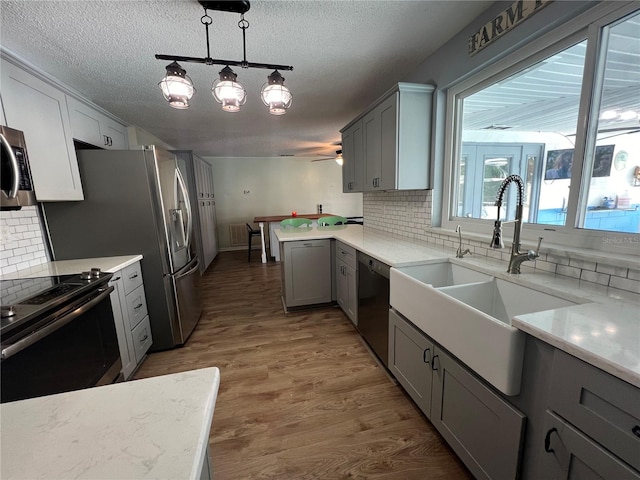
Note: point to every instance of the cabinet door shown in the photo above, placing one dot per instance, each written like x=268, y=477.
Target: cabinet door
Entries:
x=484, y=430
x=388, y=142
x=410, y=354
x=91, y=126
x=117, y=135
x=353, y=158
x=576, y=456
x=307, y=272
x=352, y=295
x=123, y=330
x=372, y=153
x=85, y=123
x=342, y=288
x=40, y=111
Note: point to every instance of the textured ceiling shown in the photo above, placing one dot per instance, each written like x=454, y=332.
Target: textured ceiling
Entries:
x=345, y=54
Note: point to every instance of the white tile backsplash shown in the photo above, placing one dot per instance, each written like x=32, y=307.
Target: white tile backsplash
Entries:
x=408, y=214
x=22, y=242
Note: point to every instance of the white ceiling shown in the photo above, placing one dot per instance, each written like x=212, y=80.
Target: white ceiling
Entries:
x=345, y=54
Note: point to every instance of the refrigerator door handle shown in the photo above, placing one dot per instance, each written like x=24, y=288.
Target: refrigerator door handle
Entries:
x=185, y=196
x=195, y=267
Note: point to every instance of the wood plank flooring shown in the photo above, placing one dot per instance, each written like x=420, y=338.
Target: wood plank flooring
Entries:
x=300, y=396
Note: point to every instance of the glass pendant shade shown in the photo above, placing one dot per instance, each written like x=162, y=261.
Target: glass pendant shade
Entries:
x=275, y=95
x=176, y=86
x=228, y=92
x=339, y=159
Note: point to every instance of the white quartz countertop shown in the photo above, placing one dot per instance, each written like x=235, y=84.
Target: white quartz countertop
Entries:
x=603, y=329
x=153, y=428
x=388, y=249
x=69, y=267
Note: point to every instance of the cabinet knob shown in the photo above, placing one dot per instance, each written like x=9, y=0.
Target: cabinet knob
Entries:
x=547, y=440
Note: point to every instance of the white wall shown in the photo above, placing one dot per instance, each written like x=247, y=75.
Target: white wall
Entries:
x=248, y=187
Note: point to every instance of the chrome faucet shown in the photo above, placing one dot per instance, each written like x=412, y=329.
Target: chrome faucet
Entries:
x=459, y=252
x=517, y=257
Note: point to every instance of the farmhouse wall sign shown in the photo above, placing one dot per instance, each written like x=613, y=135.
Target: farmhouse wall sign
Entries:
x=517, y=13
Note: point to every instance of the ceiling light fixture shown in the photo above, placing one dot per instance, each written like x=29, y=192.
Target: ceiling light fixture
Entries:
x=178, y=89
x=339, y=159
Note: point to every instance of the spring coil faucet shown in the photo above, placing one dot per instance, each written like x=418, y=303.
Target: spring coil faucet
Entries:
x=517, y=257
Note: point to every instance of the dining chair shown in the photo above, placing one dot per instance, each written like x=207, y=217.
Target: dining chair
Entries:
x=251, y=232
x=295, y=222
x=333, y=220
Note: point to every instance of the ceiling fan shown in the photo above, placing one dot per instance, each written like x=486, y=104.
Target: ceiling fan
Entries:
x=337, y=158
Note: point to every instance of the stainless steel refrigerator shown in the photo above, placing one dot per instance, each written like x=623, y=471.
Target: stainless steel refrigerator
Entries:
x=136, y=201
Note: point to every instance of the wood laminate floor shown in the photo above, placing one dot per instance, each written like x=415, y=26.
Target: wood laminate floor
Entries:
x=300, y=396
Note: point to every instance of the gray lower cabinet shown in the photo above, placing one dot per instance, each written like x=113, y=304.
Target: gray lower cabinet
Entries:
x=576, y=456
x=485, y=431
x=592, y=423
x=346, y=280
x=130, y=313
x=306, y=272
x=410, y=353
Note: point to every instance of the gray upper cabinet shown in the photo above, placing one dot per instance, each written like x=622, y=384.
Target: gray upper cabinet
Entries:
x=353, y=158
x=39, y=109
x=395, y=143
x=91, y=126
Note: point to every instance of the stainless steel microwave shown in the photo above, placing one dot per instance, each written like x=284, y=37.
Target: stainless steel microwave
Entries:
x=15, y=176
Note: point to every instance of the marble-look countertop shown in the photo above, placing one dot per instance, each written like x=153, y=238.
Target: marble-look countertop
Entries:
x=152, y=428
x=70, y=267
x=603, y=329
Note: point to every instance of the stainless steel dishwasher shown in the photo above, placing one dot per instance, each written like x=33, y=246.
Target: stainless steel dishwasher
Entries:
x=373, y=304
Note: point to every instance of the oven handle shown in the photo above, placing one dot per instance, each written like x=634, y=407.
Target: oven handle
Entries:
x=56, y=325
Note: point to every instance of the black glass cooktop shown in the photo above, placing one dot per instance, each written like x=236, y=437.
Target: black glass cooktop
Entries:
x=25, y=299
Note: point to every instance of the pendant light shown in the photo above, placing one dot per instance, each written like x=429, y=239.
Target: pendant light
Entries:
x=339, y=159
x=275, y=95
x=228, y=92
x=177, y=88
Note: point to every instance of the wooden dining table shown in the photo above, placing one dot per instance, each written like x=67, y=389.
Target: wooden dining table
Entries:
x=268, y=219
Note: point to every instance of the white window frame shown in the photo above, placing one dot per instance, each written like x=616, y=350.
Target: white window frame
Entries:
x=588, y=26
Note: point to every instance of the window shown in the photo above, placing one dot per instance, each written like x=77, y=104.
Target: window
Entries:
x=580, y=183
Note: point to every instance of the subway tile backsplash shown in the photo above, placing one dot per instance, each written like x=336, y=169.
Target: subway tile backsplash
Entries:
x=22, y=242
x=407, y=213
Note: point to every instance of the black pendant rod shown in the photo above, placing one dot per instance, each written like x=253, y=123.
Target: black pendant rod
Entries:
x=213, y=61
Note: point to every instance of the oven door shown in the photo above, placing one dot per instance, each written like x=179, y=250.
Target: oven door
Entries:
x=77, y=349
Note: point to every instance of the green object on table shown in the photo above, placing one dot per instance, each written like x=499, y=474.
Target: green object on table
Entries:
x=335, y=220
x=295, y=222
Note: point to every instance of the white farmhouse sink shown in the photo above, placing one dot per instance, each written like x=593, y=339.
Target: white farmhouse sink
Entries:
x=473, y=320
x=444, y=273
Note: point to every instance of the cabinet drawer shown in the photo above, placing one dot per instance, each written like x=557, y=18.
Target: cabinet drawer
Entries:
x=577, y=456
x=136, y=306
x=132, y=277
x=141, y=339
x=347, y=254
x=604, y=407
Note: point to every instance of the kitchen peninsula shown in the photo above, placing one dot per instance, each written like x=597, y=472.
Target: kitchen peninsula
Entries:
x=272, y=222
x=152, y=428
